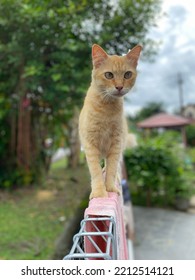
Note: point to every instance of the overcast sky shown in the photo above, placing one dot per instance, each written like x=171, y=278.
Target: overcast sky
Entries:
x=158, y=81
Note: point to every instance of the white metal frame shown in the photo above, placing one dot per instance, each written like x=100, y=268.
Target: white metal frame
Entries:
x=108, y=237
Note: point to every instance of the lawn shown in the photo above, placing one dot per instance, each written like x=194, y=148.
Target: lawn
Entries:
x=32, y=218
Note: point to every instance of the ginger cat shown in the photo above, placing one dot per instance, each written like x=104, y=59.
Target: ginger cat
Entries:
x=102, y=125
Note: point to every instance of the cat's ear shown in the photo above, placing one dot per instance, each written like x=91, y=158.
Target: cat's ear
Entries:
x=98, y=55
x=134, y=55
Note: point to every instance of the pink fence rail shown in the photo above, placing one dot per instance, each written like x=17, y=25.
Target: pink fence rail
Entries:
x=102, y=232
x=111, y=207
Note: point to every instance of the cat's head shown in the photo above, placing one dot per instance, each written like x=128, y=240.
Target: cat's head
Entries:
x=114, y=75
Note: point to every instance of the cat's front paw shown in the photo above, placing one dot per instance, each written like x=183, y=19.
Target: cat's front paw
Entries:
x=112, y=188
x=98, y=193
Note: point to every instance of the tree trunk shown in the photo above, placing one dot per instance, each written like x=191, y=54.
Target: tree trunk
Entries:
x=23, y=143
x=24, y=135
x=74, y=140
x=21, y=118
x=148, y=197
x=13, y=123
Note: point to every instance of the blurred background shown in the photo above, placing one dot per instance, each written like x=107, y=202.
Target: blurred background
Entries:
x=45, y=69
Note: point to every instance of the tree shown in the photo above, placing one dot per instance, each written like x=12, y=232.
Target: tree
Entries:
x=37, y=58
x=149, y=110
x=45, y=66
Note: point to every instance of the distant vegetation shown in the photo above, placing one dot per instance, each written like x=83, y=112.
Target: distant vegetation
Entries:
x=45, y=69
x=160, y=170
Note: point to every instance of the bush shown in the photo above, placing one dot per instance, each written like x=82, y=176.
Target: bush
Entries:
x=191, y=156
x=11, y=178
x=155, y=172
x=190, y=134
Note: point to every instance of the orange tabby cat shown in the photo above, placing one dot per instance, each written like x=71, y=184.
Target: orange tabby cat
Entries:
x=102, y=125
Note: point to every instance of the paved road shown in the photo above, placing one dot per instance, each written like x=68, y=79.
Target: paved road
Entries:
x=164, y=234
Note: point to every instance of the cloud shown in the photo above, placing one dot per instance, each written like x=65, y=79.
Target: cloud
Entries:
x=158, y=81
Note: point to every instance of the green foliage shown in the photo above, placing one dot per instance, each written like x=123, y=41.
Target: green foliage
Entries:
x=159, y=170
x=150, y=165
x=45, y=66
x=149, y=110
x=151, y=169
x=10, y=178
x=190, y=134
x=191, y=154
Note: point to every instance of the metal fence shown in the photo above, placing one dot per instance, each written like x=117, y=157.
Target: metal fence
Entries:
x=102, y=231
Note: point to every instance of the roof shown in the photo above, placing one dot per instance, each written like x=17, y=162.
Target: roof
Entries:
x=163, y=120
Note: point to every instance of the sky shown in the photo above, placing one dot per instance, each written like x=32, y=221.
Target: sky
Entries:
x=158, y=81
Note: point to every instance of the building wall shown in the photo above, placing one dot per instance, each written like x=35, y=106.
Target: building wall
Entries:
x=189, y=112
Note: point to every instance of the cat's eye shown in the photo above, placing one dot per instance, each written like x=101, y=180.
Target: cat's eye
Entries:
x=109, y=75
x=128, y=75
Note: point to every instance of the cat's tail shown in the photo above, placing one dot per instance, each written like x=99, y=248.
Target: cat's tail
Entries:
x=131, y=141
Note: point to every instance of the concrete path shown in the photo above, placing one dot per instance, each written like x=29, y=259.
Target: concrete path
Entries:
x=164, y=234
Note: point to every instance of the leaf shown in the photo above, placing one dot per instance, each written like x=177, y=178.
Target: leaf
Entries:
x=56, y=77
x=30, y=71
x=51, y=13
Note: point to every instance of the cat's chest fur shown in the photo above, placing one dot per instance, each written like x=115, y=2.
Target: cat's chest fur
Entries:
x=102, y=126
x=104, y=133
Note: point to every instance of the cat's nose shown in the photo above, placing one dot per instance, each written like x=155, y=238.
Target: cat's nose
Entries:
x=119, y=88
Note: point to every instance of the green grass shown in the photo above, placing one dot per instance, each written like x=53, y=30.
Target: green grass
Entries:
x=28, y=229
x=31, y=219
x=62, y=163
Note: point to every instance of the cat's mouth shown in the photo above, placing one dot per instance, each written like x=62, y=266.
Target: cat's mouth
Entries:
x=119, y=93
x=115, y=93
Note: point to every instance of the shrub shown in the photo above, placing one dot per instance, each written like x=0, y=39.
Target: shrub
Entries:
x=154, y=171
x=190, y=134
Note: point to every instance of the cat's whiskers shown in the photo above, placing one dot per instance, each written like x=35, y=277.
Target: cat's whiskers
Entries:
x=106, y=95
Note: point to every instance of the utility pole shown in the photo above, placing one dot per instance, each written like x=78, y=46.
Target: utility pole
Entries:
x=180, y=85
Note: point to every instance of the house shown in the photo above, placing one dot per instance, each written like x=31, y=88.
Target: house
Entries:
x=166, y=121
x=189, y=112
x=163, y=120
